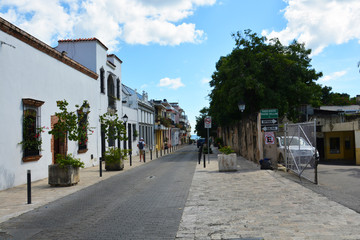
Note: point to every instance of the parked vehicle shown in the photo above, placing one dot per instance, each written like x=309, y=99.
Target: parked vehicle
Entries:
x=299, y=148
x=200, y=142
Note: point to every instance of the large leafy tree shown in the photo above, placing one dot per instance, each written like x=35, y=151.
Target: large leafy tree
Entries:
x=263, y=74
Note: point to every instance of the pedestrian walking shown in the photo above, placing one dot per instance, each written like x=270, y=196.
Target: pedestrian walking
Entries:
x=141, y=146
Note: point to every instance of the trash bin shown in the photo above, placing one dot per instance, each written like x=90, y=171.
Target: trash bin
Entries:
x=265, y=164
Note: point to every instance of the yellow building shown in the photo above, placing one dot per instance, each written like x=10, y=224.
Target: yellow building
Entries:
x=160, y=128
x=342, y=141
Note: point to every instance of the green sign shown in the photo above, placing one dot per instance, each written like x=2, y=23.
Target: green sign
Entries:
x=269, y=113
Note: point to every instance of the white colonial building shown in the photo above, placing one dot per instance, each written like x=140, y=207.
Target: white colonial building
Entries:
x=141, y=114
x=34, y=76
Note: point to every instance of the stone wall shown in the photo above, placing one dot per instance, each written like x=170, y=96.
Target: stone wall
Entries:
x=244, y=137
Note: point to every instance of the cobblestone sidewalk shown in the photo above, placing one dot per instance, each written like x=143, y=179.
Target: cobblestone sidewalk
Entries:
x=260, y=204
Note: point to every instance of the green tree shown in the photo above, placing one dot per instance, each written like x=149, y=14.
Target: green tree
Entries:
x=200, y=124
x=263, y=74
x=330, y=98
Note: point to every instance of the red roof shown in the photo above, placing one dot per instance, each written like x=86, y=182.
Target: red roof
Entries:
x=84, y=40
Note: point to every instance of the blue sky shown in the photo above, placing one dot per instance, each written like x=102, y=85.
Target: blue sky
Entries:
x=169, y=48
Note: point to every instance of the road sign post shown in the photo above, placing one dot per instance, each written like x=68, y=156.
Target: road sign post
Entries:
x=269, y=120
x=207, y=124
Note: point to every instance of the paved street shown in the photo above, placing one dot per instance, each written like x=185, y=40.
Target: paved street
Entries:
x=339, y=183
x=143, y=203
x=153, y=201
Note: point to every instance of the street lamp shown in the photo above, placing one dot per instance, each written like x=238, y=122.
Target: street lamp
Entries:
x=241, y=105
x=125, y=118
x=85, y=107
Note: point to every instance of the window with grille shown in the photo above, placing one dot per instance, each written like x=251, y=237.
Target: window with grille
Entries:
x=102, y=80
x=118, y=88
x=31, y=139
x=111, y=92
x=83, y=142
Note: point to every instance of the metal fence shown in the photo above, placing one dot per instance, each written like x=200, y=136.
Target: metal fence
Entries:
x=300, y=149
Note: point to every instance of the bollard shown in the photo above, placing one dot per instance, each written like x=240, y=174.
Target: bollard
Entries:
x=29, y=186
x=199, y=155
x=144, y=156
x=100, y=166
x=157, y=156
x=130, y=153
x=150, y=154
x=204, y=161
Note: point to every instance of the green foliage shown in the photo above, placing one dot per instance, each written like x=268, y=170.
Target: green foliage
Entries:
x=68, y=123
x=165, y=121
x=226, y=150
x=114, y=155
x=135, y=134
x=31, y=134
x=263, y=74
x=112, y=126
x=329, y=98
x=200, y=125
x=67, y=160
x=218, y=142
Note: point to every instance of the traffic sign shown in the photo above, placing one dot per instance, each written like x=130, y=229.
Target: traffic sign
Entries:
x=269, y=138
x=269, y=113
x=270, y=128
x=207, y=122
x=270, y=121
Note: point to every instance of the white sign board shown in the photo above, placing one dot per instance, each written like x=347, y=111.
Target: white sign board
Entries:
x=207, y=122
x=269, y=138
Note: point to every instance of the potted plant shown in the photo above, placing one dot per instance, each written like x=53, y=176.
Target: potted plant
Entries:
x=114, y=129
x=66, y=171
x=227, y=159
x=74, y=127
x=114, y=158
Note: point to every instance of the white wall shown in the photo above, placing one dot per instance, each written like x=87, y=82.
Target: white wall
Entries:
x=28, y=73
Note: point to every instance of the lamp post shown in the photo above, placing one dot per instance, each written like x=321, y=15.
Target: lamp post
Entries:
x=241, y=105
x=125, y=118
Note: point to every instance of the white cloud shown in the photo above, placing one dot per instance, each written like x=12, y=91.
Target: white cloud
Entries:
x=205, y=80
x=319, y=23
x=333, y=76
x=112, y=21
x=171, y=83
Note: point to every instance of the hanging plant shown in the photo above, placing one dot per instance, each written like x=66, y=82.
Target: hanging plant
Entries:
x=31, y=134
x=135, y=134
x=112, y=126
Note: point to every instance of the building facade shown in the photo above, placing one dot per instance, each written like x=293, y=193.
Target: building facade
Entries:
x=34, y=76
